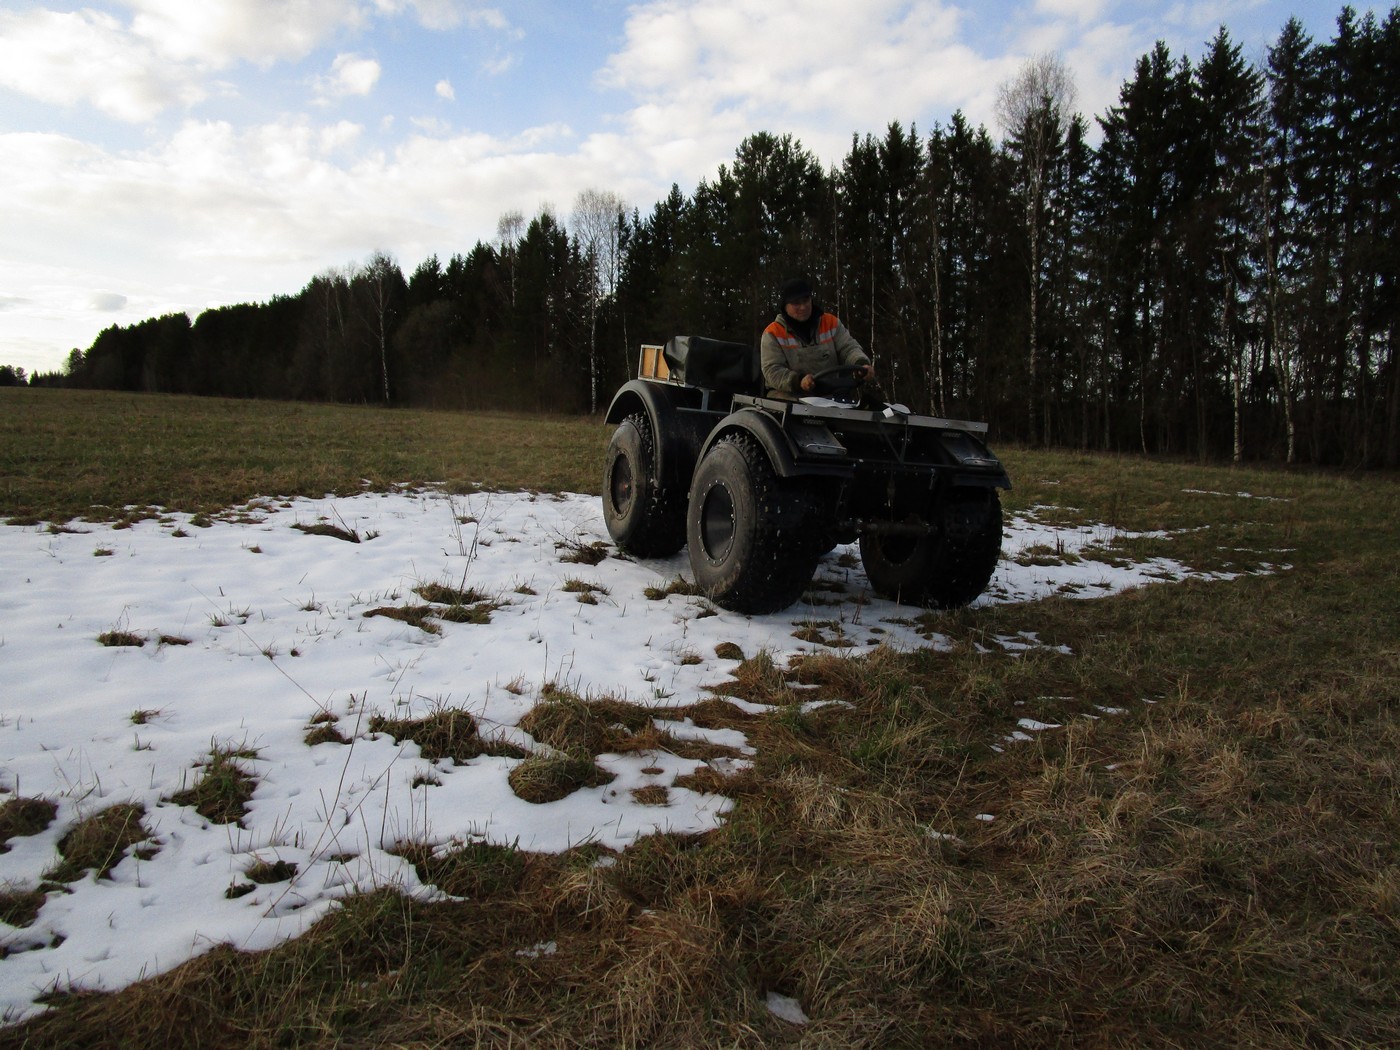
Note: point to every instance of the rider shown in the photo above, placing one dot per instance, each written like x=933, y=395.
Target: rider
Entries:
x=803, y=340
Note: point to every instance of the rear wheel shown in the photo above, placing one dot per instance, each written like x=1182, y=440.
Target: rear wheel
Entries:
x=947, y=566
x=753, y=546
x=641, y=518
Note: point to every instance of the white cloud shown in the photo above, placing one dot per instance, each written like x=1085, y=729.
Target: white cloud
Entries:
x=339, y=136
x=434, y=126
x=117, y=73
x=439, y=15
x=350, y=75
x=1081, y=11
x=500, y=65
x=218, y=33
x=704, y=74
x=162, y=58
x=444, y=90
x=489, y=18
x=106, y=302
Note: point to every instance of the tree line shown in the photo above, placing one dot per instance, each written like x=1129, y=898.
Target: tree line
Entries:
x=1217, y=277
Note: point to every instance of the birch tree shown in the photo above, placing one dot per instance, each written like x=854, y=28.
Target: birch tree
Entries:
x=597, y=222
x=1034, y=109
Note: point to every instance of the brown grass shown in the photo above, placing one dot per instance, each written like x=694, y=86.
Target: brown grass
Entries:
x=325, y=528
x=99, y=842
x=75, y=453
x=121, y=638
x=478, y=870
x=20, y=908
x=1202, y=856
x=21, y=816
x=448, y=733
x=224, y=788
x=550, y=776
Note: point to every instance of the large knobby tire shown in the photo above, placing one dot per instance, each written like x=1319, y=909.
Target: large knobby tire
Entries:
x=753, y=543
x=641, y=518
x=947, y=567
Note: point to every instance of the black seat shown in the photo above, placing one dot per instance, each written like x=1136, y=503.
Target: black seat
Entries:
x=714, y=364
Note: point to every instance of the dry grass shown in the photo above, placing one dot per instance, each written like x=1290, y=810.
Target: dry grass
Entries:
x=468, y=869
x=1203, y=855
x=20, y=816
x=444, y=594
x=448, y=733
x=563, y=720
x=100, y=842
x=550, y=776
x=224, y=788
x=68, y=454
x=20, y=908
x=121, y=638
x=679, y=586
x=583, y=552
x=325, y=528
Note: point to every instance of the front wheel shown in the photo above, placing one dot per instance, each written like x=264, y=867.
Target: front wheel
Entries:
x=641, y=518
x=949, y=565
x=753, y=545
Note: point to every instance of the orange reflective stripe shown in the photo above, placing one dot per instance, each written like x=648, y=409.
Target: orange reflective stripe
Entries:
x=826, y=332
x=785, y=339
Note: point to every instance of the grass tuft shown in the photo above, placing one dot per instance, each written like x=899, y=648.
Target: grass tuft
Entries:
x=478, y=870
x=567, y=722
x=24, y=816
x=448, y=733
x=580, y=553
x=325, y=528
x=121, y=638
x=267, y=872
x=550, y=777
x=480, y=613
x=679, y=585
x=325, y=733
x=20, y=908
x=224, y=788
x=442, y=594
x=99, y=842
x=420, y=616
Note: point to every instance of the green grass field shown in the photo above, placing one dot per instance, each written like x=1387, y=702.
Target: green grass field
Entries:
x=1218, y=865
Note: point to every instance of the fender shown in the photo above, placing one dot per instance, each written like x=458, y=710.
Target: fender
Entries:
x=670, y=428
x=769, y=434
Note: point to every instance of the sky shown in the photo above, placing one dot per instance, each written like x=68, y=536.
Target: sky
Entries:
x=254, y=629
x=159, y=156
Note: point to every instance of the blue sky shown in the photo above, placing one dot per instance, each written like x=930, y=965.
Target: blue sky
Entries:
x=164, y=155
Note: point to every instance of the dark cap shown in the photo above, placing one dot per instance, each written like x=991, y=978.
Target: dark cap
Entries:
x=794, y=289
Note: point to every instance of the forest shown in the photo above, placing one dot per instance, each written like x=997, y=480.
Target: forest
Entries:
x=1211, y=275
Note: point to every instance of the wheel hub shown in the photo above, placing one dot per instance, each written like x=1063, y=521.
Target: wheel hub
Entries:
x=717, y=522
x=621, y=488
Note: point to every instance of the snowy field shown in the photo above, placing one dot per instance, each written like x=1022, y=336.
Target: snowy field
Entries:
x=253, y=628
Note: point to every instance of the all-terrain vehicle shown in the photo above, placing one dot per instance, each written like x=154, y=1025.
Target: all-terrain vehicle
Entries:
x=761, y=488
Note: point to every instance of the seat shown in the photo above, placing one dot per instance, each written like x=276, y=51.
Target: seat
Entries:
x=716, y=365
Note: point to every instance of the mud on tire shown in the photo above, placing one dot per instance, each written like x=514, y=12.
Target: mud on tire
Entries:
x=641, y=518
x=951, y=565
x=753, y=542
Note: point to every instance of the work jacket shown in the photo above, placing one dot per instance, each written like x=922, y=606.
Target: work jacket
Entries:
x=786, y=358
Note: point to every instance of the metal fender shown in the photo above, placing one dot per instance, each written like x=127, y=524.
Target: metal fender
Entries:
x=766, y=431
x=673, y=435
